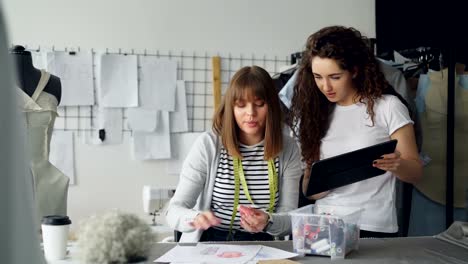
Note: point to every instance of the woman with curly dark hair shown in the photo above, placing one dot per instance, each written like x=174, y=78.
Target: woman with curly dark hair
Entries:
x=342, y=103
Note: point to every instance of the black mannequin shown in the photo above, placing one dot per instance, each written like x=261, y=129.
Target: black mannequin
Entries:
x=28, y=76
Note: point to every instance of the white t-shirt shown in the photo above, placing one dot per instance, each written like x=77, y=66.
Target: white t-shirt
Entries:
x=351, y=129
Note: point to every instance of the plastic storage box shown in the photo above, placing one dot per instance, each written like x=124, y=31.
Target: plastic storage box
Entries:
x=325, y=230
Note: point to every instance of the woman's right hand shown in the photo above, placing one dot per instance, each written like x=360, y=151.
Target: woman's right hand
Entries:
x=205, y=220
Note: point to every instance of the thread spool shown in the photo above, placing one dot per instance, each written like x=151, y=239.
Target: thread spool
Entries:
x=319, y=244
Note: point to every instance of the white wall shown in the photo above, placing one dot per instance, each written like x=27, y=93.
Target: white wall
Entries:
x=106, y=176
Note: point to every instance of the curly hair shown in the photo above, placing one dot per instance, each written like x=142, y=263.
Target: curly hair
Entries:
x=310, y=109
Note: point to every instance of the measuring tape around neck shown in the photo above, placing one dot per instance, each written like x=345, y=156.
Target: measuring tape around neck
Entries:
x=239, y=178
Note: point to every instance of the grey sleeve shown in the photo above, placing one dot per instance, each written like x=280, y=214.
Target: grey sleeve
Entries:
x=180, y=212
x=289, y=189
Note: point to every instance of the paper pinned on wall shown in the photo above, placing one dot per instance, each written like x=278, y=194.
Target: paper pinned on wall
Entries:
x=140, y=119
x=62, y=153
x=180, y=147
x=118, y=81
x=153, y=145
x=108, y=123
x=179, y=120
x=158, y=83
x=97, y=62
x=39, y=59
x=76, y=75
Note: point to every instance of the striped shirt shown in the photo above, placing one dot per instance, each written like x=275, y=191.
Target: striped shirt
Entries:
x=256, y=175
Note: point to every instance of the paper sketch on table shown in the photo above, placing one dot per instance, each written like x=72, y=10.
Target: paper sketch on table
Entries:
x=180, y=147
x=118, y=80
x=62, y=153
x=211, y=253
x=153, y=145
x=157, y=83
x=179, y=119
x=75, y=71
x=270, y=253
x=110, y=122
x=140, y=119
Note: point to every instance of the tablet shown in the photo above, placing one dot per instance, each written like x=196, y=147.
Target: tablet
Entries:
x=347, y=168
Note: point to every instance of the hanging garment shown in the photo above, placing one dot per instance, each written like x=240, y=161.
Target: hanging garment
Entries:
x=428, y=217
x=431, y=102
x=287, y=92
x=50, y=184
x=397, y=80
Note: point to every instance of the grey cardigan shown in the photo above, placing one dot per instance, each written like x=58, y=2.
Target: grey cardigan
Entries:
x=195, y=188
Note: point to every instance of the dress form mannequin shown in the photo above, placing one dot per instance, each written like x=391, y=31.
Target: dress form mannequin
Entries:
x=28, y=76
x=38, y=97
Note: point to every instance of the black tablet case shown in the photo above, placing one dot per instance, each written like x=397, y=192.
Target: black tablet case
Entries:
x=347, y=168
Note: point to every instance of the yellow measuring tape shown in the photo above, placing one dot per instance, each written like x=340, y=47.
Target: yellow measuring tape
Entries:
x=239, y=177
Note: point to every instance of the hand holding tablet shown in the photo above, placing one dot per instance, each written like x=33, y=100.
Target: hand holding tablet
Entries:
x=347, y=168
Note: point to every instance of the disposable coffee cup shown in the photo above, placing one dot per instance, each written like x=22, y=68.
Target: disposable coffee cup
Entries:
x=54, y=236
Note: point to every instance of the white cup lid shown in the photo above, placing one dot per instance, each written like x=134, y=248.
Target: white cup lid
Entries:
x=56, y=220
